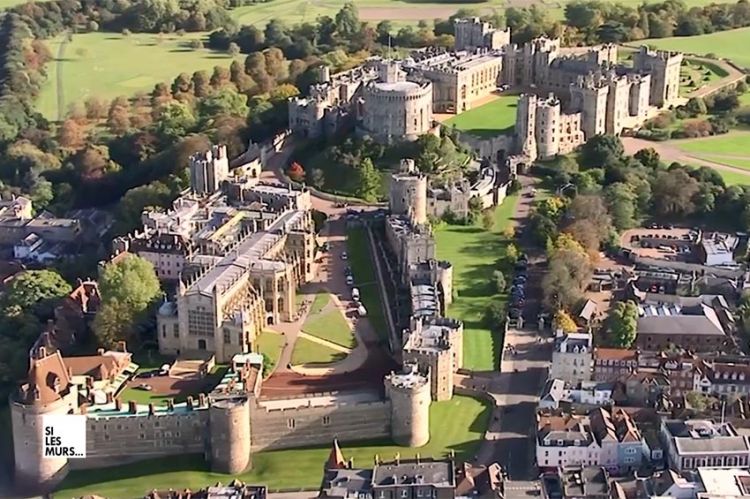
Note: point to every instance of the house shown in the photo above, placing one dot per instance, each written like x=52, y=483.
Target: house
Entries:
x=233, y=490
x=610, y=364
x=604, y=437
x=585, y=482
x=698, y=443
x=556, y=391
x=722, y=378
x=571, y=358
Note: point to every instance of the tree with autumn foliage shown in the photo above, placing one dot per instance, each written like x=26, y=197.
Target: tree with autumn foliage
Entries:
x=563, y=321
x=296, y=172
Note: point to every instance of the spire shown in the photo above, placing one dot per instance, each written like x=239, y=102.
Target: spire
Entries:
x=336, y=457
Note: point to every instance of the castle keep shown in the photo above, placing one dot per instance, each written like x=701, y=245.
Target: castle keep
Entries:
x=568, y=95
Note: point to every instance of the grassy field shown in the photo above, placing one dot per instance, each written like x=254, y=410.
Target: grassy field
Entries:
x=330, y=325
x=731, y=161
x=455, y=425
x=312, y=353
x=726, y=44
x=364, y=277
x=732, y=178
x=473, y=252
x=270, y=343
x=109, y=65
x=733, y=143
x=489, y=120
x=745, y=99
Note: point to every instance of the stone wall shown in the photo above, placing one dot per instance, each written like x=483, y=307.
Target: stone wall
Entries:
x=305, y=426
x=144, y=436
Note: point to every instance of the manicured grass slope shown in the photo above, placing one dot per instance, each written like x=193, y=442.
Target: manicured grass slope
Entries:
x=473, y=253
x=733, y=143
x=109, y=65
x=731, y=161
x=490, y=119
x=270, y=343
x=730, y=44
x=454, y=425
x=330, y=325
x=309, y=352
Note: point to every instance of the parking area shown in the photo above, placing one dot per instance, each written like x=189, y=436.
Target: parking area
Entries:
x=665, y=242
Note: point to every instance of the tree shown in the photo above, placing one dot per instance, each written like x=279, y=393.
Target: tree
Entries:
x=589, y=221
x=317, y=178
x=296, y=172
x=132, y=282
x=113, y=323
x=488, y=219
x=648, y=157
x=224, y=101
x=369, y=181
x=621, y=203
x=511, y=254
x=34, y=290
x=494, y=315
x=568, y=275
x=71, y=134
x=673, y=192
x=175, y=121
x=347, y=21
x=499, y=281
x=622, y=324
x=602, y=151
x=563, y=321
x=233, y=50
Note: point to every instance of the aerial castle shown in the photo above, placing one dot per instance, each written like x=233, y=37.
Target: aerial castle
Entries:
x=569, y=95
x=242, y=251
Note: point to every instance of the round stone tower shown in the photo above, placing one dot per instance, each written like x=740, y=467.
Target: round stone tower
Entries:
x=230, y=435
x=408, y=193
x=547, y=126
x=48, y=391
x=409, y=392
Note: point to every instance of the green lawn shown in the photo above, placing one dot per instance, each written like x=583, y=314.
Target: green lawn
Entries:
x=109, y=65
x=745, y=99
x=695, y=74
x=270, y=343
x=728, y=44
x=364, y=276
x=455, y=425
x=312, y=353
x=737, y=163
x=331, y=326
x=489, y=120
x=473, y=252
x=147, y=397
x=319, y=302
x=732, y=178
x=733, y=143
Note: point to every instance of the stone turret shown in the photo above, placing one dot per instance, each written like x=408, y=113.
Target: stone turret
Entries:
x=409, y=392
x=408, y=193
x=230, y=435
x=48, y=390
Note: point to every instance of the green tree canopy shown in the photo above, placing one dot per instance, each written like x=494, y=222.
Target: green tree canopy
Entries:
x=131, y=281
x=622, y=324
x=34, y=290
x=369, y=181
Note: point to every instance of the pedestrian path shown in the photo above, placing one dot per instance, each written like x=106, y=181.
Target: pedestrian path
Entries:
x=325, y=343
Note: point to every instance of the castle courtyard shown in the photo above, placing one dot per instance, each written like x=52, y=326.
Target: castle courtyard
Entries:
x=491, y=116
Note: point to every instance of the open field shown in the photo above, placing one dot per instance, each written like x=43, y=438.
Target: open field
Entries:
x=270, y=343
x=312, y=353
x=732, y=178
x=473, y=253
x=733, y=143
x=108, y=65
x=455, y=425
x=488, y=120
x=729, y=44
x=745, y=99
x=364, y=276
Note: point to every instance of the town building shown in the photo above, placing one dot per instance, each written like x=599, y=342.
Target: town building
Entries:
x=474, y=34
x=571, y=358
x=577, y=482
x=233, y=490
x=610, y=364
x=697, y=443
x=409, y=479
x=604, y=437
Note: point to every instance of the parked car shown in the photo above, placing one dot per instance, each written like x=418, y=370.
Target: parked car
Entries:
x=514, y=313
x=519, y=279
x=144, y=387
x=344, y=256
x=349, y=280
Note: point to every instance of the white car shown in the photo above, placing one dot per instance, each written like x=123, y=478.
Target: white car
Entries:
x=344, y=256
